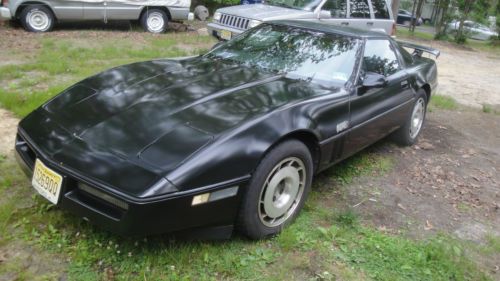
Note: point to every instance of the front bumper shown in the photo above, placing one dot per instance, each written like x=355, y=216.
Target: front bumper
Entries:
x=5, y=13
x=141, y=217
x=215, y=29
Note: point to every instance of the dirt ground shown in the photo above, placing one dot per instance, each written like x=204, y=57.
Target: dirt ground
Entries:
x=467, y=75
x=449, y=182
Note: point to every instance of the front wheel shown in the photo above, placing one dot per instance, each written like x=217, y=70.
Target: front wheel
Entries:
x=37, y=18
x=154, y=21
x=409, y=132
x=277, y=190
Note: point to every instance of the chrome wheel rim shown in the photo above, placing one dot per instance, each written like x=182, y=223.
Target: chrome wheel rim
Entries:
x=417, y=118
x=155, y=22
x=39, y=20
x=282, y=192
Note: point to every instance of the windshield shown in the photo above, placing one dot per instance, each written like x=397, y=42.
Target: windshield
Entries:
x=307, y=5
x=297, y=52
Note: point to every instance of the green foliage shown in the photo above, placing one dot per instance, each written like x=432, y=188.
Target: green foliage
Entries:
x=443, y=102
x=360, y=165
x=62, y=62
x=322, y=244
x=322, y=241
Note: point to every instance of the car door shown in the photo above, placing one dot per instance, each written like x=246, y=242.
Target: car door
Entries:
x=359, y=14
x=383, y=21
x=117, y=10
x=94, y=10
x=67, y=10
x=334, y=12
x=375, y=112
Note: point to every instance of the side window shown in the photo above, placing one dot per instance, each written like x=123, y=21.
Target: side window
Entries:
x=337, y=8
x=407, y=57
x=380, y=9
x=380, y=58
x=359, y=9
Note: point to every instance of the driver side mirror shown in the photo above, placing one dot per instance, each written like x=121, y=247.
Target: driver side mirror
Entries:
x=374, y=80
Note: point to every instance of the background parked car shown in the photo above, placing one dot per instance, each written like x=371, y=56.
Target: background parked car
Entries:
x=405, y=18
x=473, y=30
x=247, y=2
x=374, y=15
x=41, y=15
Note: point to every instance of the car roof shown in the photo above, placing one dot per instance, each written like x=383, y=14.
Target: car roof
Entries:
x=326, y=27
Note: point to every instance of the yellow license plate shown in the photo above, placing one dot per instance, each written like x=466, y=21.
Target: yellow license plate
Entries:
x=226, y=35
x=47, y=182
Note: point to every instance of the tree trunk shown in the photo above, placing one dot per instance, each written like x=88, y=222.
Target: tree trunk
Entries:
x=460, y=32
x=442, y=18
x=395, y=9
x=417, y=11
x=411, y=27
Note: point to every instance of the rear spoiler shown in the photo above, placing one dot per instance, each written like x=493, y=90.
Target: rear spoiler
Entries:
x=419, y=50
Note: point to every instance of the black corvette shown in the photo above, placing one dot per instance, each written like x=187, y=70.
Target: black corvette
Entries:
x=227, y=139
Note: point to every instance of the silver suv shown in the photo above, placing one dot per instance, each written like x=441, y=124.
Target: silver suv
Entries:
x=41, y=15
x=374, y=15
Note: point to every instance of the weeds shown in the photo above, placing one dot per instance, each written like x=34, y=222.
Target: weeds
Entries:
x=443, y=102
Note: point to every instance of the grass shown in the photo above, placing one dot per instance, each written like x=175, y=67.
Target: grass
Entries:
x=62, y=62
x=324, y=243
x=484, y=46
x=443, y=102
x=404, y=32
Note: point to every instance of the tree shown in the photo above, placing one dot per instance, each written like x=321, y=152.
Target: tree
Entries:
x=497, y=13
x=417, y=12
x=465, y=7
x=395, y=8
x=442, y=18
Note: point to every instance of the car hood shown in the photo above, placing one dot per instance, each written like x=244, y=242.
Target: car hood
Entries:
x=265, y=12
x=149, y=117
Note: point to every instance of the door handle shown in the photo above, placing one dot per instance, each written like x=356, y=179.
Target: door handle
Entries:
x=404, y=84
x=369, y=23
x=344, y=23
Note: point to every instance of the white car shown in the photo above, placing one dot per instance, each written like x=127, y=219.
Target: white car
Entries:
x=473, y=30
x=373, y=15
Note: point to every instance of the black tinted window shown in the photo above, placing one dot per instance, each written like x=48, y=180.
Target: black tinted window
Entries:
x=380, y=10
x=408, y=59
x=299, y=53
x=359, y=9
x=337, y=8
x=380, y=57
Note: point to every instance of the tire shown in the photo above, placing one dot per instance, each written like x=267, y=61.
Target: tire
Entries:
x=277, y=191
x=154, y=21
x=37, y=18
x=408, y=134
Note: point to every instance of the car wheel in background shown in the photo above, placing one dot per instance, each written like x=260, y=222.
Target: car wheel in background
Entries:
x=37, y=18
x=277, y=191
x=409, y=132
x=154, y=21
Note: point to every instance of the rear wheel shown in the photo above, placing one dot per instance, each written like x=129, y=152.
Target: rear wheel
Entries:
x=154, y=21
x=409, y=132
x=277, y=190
x=37, y=18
